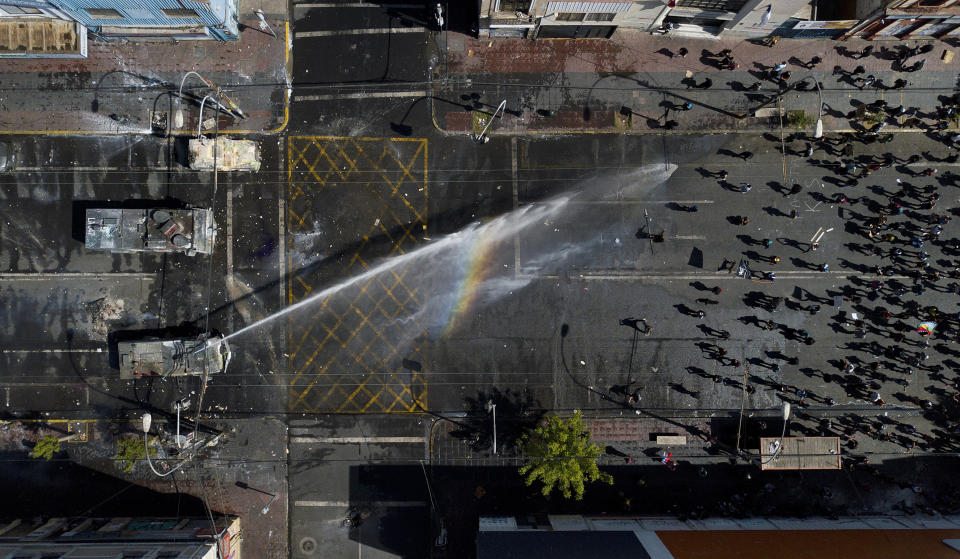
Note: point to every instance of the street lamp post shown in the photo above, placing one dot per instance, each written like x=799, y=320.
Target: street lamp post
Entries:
x=482, y=138
x=273, y=496
x=786, y=420
x=232, y=109
x=818, y=130
x=178, y=116
x=200, y=120
x=146, y=420
x=492, y=409
x=179, y=405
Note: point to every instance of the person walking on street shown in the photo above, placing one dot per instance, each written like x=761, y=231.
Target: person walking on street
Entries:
x=745, y=187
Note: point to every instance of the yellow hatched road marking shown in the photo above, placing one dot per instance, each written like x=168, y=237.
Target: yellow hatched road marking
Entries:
x=342, y=358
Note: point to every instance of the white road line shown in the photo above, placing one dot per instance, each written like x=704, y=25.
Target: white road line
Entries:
x=282, y=226
x=71, y=169
x=358, y=440
x=516, y=202
x=230, y=248
x=690, y=237
x=343, y=504
x=230, y=231
x=709, y=276
x=43, y=276
x=91, y=350
x=635, y=202
x=370, y=31
x=358, y=5
x=362, y=95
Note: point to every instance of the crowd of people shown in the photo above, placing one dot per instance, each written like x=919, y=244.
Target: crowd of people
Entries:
x=882, y=319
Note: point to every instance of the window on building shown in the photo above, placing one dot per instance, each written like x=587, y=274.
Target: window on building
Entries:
x=513, y=6
x=104, y=13
x=17, y=10
x=600, y=17
x=713, y=5
x=181, y=13
x=570, y=16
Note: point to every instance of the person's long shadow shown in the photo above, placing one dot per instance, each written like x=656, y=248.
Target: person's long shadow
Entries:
x=790, y=243
x=684, y=309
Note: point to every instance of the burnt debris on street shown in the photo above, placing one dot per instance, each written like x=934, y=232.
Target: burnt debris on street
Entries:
x=422, y=280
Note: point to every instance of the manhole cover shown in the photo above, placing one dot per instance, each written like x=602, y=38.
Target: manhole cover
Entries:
x=308, y=545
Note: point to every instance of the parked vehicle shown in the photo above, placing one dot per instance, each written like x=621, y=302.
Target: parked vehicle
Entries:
x=231, y=155
x=173, y=357
x=188, y=230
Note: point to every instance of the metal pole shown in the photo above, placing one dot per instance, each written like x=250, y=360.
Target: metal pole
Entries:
x=818, y=131
x=494, y=428
x=492, y=409
x=480, y=137
x=178, y=426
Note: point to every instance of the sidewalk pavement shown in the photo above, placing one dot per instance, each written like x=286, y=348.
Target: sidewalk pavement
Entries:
x=702, y=485
x=213, y=477
x=584, y=85
x=630, y=439
x=134, y=80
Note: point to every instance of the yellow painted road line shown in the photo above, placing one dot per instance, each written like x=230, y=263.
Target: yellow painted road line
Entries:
x=316, y=163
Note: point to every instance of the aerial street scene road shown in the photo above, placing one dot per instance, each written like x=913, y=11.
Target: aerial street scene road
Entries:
x=339, y=279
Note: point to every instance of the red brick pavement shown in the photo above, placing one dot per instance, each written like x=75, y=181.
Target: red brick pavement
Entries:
x=633, y=51
x=639, y=430
x=462, y=121
x=254, y=52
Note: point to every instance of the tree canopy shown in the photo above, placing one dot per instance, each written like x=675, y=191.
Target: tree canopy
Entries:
x=131, y=450
x=561, y=456
x=46, y=447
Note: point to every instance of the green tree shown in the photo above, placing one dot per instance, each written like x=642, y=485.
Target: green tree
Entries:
x=46, y=447
x=131, y=450
x=561, y=456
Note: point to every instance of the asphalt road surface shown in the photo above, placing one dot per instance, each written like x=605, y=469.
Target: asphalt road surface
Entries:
x=376, y=271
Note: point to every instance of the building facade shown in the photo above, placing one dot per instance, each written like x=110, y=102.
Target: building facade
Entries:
x=600, y=18
x=177, y=19
x=129, y=538
x=584, y=537
x=37, y=29
x=909, y=19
